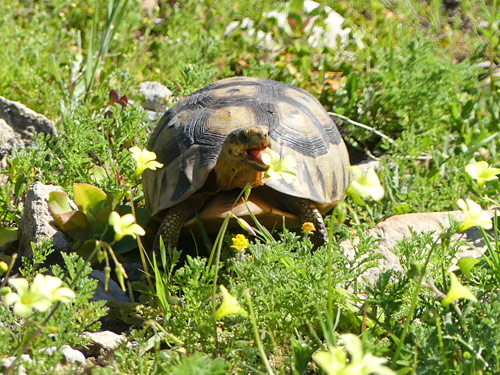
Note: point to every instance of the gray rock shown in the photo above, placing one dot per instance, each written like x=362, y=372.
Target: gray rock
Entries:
x=114, y=292
x=18, y=124
x=72, y=355
x=396, y=228
x=24, y=120
x=69, y=354
x=153, y=116
x=8, y=137
x=157, y=96
x=104, y=340
x=7, y=362
x=38, y=222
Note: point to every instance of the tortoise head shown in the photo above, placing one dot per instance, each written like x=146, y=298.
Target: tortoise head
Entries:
x=240, y=161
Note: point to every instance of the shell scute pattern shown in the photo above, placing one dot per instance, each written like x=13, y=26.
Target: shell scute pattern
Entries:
x=191, y=134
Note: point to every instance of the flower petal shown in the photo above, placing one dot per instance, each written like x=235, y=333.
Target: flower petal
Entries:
x=229, y=305
x=20, y=284
x=457, y=291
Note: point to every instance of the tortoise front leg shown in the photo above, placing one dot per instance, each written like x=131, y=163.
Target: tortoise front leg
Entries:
x=171, y=226
x=307, y=211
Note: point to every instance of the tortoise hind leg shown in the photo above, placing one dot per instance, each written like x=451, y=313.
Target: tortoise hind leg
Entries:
x=307, y=211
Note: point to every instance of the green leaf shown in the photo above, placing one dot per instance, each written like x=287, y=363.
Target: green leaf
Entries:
x=74, y=224
x=297, y=5
x=59, y=202
x=97, y=173
x=467, y=264
x=7, y=235
x=88, y=197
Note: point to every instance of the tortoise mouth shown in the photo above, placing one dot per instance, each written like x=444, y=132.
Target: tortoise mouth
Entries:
x=254, y=158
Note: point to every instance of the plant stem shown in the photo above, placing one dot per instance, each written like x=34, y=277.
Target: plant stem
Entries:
x=256, y=333
x=413, y=304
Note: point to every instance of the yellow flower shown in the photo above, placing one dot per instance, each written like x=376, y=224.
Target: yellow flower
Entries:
x=284, y=169
x=43, y=292
x=144, y=159
x=481, y=172
x=365, y=185
x=474, y=215
x=229, y=305
x=457, y=291
x=125, y=226
x=3, y=267
x=334, y=362
x=240, y=242
x=308, y=227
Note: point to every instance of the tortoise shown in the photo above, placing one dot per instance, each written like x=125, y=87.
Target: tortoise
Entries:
x=211, y=143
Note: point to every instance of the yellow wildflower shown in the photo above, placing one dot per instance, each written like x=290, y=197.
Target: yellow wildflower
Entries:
x=457, y=291
x=366, y=185
x=124, y=226
x=240, y=242
x=144, y=159
x=308, y=227
x=229, y=305
x=474, y=216
x=284, y=169
x=481, y=172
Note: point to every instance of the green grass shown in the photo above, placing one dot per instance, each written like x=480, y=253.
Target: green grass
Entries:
x=415, y=79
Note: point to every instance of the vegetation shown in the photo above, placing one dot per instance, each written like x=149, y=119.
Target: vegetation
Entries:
x=412, y=70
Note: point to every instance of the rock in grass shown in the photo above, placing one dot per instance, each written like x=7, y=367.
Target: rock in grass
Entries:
x=103, y=340
x=114, y=292
x=69, y=354
x=156, y=96
x=396, y=228
x=18, y=124
x=23, y=120
x=37, y=221
x=7, y=362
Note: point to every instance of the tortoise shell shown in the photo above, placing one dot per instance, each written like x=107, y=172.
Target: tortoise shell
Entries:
x=189, y=138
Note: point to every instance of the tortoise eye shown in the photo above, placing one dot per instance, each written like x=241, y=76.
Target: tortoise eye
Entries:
x=243, y=137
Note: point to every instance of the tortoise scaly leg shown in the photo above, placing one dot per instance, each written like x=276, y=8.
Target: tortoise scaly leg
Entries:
x=307, y=211
x=171, y=226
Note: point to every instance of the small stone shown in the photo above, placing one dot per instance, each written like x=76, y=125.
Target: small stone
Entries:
x=156, y=96
x=106, y=340
x=72, y=355
x=7, y=362
x=114, y=292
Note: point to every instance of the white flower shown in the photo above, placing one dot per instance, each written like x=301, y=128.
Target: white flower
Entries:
x=43, y=292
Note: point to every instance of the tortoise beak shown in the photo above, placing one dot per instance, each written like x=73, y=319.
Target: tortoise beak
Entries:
x=254, y=159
